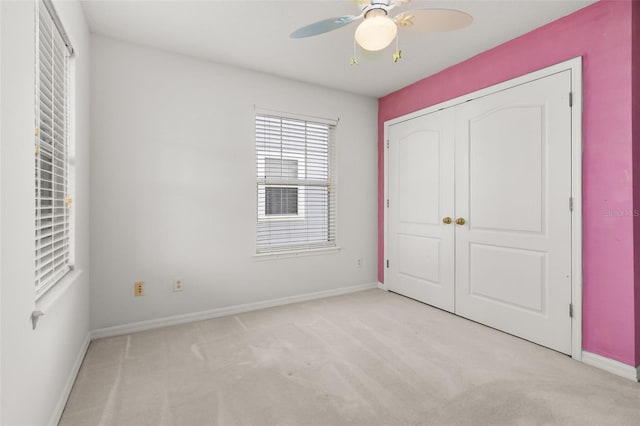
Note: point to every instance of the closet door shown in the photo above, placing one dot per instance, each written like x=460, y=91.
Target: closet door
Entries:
x=513, y=186
x=420, y=190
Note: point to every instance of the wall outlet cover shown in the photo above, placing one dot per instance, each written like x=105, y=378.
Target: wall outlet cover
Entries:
x=177, y=284
x=138, y=289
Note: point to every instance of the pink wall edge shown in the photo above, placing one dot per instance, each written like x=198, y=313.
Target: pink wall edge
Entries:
x=602, y=35
x=636, y=160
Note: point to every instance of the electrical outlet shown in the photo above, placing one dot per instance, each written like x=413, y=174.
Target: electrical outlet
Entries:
x=177, y=284
x=359, y=262
x=138, y=289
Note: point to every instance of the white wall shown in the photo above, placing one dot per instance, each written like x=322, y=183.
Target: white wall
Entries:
x=38, y=366
x=173, y=185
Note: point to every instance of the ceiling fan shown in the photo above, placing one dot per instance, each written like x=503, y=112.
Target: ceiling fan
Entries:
x=378, y=29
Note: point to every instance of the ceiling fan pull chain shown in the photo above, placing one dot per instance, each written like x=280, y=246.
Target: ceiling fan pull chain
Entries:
x=398, y=54
x=354, y=58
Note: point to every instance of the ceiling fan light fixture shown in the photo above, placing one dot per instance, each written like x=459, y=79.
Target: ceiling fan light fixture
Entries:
x=376, y=32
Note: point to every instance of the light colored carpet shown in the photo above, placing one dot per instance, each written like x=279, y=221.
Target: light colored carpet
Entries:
x=369, y=358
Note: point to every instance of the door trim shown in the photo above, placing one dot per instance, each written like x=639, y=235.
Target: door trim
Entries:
x=575, y=66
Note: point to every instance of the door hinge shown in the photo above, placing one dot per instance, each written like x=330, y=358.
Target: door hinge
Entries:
x=387, y=263
x=570, y=204
x=387, y=143
x=387, y=202
x=570, y=310
x=570, y=99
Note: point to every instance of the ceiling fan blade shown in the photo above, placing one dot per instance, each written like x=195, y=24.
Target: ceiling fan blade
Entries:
x=324, y=26
x=433, y=20
x=401, y=2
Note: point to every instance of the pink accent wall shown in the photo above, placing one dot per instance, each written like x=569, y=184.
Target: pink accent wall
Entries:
x=636, y=160
x=602, y=35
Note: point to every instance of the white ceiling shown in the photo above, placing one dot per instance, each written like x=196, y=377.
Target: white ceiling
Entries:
x=255, y=35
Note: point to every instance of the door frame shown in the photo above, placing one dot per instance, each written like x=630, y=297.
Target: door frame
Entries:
x=575, y=66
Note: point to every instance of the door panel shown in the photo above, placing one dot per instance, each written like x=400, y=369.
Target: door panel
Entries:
x=513, y=184
x=507, y=172
x=418, y=257
x=420, y=189
x=489, y=279
x=419, y=177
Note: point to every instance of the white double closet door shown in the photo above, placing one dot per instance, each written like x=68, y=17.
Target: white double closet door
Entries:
x=500, y=168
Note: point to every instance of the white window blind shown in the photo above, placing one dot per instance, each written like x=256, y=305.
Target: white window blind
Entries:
x=52, y=200
x=296, y=205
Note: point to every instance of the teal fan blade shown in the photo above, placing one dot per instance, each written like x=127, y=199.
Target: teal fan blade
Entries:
x=323, y=26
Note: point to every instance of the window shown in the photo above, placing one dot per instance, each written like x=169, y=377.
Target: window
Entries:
x=296, y=206
x=52, y=199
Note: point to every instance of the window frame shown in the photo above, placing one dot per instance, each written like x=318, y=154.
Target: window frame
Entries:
x=304, y=185
x=53, y=162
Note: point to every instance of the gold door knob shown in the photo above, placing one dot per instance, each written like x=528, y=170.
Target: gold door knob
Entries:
x=460, y=221
x=446, y=220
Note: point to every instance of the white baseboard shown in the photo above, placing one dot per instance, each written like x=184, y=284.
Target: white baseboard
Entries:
x=382, y=286
x=612, y=366
x=221, y=312
x=66, y=390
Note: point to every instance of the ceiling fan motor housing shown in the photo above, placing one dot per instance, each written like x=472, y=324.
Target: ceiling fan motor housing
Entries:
x=376, y=8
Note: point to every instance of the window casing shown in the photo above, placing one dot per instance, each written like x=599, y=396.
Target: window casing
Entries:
x=52, y=197
x=296, y=207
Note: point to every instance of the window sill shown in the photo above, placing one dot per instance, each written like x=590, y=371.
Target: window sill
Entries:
x=51, y=297
x=300, y=253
